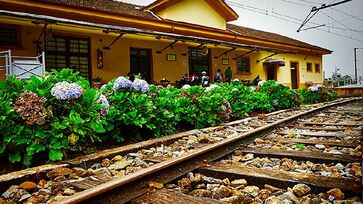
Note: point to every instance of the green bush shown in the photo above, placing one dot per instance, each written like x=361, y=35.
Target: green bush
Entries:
x=40, y=123
x=281, y=96
x=317, y=94
x=45, y=120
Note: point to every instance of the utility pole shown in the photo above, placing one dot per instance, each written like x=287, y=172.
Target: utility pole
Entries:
x=355, y=65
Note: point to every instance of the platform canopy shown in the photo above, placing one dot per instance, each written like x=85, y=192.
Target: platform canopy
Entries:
x=277, y=61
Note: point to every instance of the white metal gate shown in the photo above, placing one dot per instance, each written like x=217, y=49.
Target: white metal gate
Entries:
x=21, y=66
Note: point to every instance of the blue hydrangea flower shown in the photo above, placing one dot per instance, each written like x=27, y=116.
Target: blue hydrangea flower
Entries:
x=106, y=106
x=141, y=85
x=66, y=91
x=122, y=83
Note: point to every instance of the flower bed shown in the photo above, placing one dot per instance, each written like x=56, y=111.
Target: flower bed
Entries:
x=60, y=113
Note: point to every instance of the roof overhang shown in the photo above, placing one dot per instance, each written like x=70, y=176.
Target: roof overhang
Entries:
x=279, y=62
x=219, y=5
x=183, y=29
x=130, y=30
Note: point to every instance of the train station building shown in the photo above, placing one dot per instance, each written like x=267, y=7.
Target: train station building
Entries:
x=166, y=39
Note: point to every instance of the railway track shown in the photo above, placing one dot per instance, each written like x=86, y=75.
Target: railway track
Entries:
x=282, y=157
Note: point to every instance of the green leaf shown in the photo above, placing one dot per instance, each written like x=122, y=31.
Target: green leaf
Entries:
x=27, y=160
x=299, y=146
x=14, y=157
x=80, y=131
x=75, y=118
x=41, y=134
x=97, y=127
x=55, y=155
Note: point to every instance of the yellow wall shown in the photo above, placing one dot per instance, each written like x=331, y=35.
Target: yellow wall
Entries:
x=117, y=60
x=283, y=72
x=196, y=12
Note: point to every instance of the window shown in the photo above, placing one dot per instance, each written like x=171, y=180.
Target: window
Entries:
x=9, y=35
x=243, y=65
x=317, y=68
x=309, y=67
x=65, y=52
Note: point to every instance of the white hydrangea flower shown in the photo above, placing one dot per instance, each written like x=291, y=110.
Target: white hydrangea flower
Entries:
x=313, y=89
x=209, y=88
x=260, y=83
x=186, y=86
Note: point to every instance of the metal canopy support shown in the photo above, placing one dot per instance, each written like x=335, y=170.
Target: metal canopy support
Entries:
x=267, y=57
x=199, y=46
x=170, y=45
x=226, y=52
x=109, y=46
x=244, y=54
x=37, y=42
x=307, y=55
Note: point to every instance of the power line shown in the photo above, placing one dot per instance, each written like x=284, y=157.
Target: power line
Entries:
x=316, y=24
x=267, y=13
x=305, y=5
x=356, y=31
x=355, y=17
x=315, y=10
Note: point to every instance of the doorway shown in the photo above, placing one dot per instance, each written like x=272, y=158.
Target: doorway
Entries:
x=140, y=63
x=294, y=75
x=198, y=62
x=271, y=71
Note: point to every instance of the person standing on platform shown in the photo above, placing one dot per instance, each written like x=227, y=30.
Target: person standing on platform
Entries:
x=219, y=76
x=228, y=74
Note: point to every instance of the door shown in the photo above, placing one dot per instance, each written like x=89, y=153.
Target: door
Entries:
x=271, y=72
x=68, y=52
x=140, y=63
x=294, y=73
x=198, y=62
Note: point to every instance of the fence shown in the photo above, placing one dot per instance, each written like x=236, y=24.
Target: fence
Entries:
x=21, y=66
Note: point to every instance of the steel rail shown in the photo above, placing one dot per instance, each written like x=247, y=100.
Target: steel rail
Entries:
x=121, y=190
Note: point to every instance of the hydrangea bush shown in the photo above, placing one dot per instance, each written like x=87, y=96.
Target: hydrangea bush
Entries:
x=280, y=96
x=59, y=112
x=50, y=115
x=316, y=94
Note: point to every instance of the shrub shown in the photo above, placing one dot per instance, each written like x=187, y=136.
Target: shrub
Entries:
x=51, y=114
x=316, y=94
x=59, y=112
x=281, y=96
x=237, y=95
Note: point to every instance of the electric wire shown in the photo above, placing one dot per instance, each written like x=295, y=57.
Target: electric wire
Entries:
x=337, y=10
x=356, y=31
x=267, y=13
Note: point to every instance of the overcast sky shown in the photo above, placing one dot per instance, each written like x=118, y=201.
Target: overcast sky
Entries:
x=342, y=32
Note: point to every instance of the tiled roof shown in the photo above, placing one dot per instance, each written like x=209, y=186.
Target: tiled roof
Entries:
x=126, y=9
x=110, y=6
x=272, y=37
